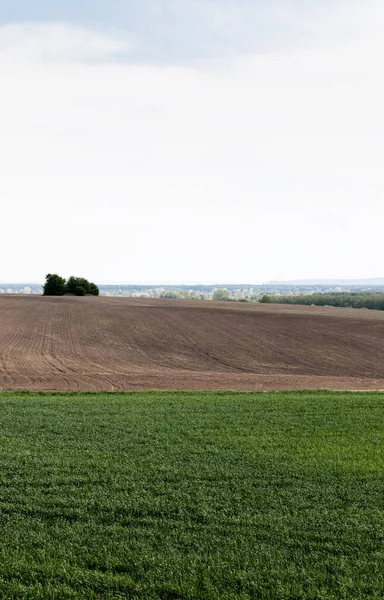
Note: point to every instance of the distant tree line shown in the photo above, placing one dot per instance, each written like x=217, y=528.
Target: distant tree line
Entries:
x=372, y=301
x=77, y=286
x=181, y=295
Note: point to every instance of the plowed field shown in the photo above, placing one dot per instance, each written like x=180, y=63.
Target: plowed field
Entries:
x=116, y=343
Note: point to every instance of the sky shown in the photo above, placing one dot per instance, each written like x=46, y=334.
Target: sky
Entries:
x=191, y=141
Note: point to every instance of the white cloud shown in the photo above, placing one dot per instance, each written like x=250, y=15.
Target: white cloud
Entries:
x=261, y=167
x=56, y=42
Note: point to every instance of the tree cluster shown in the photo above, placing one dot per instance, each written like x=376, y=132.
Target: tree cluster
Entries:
x=78, y=286
x=221, y=294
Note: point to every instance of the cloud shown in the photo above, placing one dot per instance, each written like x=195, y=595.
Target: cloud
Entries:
x=194, y=30
x=189, y=31
x=57, y=43
x=216, y=171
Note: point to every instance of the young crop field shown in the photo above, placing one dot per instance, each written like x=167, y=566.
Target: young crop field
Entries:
x=193, y=495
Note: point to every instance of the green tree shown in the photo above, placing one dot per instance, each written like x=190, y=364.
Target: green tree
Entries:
x=93, y=289
x=75, y=285
x=266, y=299
x=169, y=294
x=54, y=285
x=221, y=294
x=75, y=282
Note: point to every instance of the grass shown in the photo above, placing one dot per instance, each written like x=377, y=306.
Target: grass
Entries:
x=192, y=495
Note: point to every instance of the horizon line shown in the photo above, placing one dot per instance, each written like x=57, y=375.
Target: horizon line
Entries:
x=309, y=281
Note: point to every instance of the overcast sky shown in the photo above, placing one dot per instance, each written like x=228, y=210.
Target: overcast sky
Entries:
x=191, y=141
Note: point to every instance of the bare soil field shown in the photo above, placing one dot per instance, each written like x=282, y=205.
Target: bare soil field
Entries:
x=90, y=343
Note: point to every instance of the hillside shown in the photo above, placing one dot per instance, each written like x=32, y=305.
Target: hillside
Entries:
x=73, y=343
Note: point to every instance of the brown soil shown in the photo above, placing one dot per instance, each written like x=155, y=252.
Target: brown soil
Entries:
x=126, y=344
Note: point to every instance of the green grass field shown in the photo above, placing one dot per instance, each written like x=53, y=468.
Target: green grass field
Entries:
x=192, y=495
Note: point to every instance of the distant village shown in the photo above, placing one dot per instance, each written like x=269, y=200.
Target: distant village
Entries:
x=21, y=289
